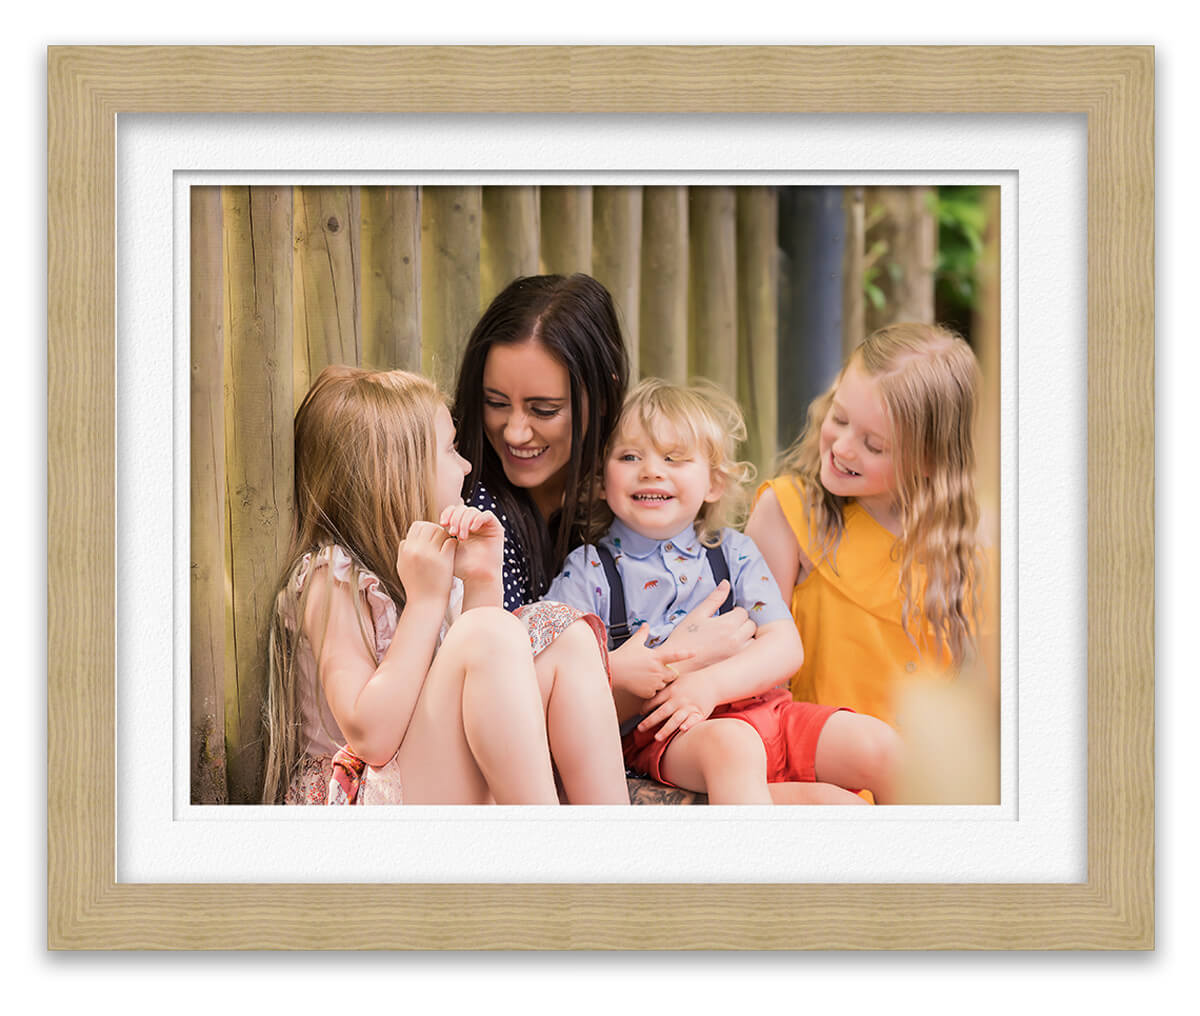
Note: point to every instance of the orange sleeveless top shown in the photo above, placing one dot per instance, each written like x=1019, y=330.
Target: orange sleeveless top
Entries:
x=848, y=614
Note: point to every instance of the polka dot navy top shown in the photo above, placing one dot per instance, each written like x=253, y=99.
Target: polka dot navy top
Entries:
x=516, y=581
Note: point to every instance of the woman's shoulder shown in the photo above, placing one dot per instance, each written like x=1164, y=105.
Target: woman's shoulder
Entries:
x=480, y=497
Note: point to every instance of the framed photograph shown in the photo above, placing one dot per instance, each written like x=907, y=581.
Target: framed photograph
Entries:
x=141, y=857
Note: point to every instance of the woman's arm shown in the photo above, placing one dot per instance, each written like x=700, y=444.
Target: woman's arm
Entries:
x=772, y=657
x=371, y=703
x=708, y=636
x=769, y=529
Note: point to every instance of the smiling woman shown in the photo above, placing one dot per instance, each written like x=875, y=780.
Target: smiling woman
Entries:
x=538, y=393
x=527, y=419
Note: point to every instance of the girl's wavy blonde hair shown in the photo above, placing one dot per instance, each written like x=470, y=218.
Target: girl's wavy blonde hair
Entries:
x=365, y=471
x=928, y=381
x=699, y=418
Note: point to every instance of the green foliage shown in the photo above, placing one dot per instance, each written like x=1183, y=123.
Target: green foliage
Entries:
x=961, y=219
x=871, y=273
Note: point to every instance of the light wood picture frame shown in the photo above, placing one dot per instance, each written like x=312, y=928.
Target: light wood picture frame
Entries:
x=89, y=86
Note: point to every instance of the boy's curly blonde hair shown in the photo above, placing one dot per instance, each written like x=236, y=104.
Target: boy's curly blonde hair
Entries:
x=701, y=418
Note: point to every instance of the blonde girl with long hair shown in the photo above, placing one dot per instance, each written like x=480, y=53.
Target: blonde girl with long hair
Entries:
x=871, y=527
x=396, y=676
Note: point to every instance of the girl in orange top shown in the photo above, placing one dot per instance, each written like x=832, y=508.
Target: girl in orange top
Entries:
x=873, y=523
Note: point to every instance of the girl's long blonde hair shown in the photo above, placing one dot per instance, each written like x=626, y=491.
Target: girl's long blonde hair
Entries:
x=706, y=421
x=365, y=469
x=928, y=381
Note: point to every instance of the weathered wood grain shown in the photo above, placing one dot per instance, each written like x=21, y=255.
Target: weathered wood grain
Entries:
x=663, y=314
x=391, y=278
x=713, y=288
x=451, y=234
x=758, y=323
x=617, y=258
x=258, y=436
x=211, y=660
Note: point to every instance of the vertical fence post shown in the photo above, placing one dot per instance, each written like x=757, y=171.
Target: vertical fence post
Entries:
x=566, y=230
x=391, y=278
x=712, y=290
x=853, y=266
x=451, y=233
x=664, y=302
x=811, y=234
x=511, y=238
x=617, y=257
x=758, y=322
x=258, y=438
x=326, y=279
x=208, y=633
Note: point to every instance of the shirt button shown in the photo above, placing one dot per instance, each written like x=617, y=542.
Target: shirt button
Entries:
x=669, y=546
x=910, y=666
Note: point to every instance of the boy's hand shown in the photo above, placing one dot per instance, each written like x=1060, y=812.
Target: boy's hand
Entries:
x=642, y=671
x=425, y=563
x=712, y=639
x=680, y=705
x=479, y=556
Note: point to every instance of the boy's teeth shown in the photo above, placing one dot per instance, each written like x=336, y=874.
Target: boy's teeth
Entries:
x=651, y=497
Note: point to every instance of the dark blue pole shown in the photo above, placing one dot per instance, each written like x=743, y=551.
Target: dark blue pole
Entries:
x=812, y=238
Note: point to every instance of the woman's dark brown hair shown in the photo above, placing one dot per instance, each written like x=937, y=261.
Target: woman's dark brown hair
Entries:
x=573, y=318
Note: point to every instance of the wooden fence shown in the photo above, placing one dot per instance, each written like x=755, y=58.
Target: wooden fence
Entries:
x=285, y=280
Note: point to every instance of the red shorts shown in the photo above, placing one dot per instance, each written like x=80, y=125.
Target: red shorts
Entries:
x=789, y=731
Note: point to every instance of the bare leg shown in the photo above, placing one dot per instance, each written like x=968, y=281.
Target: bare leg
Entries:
x=812, y=793
x=581, y=720
x=478, y=733
x=723, y=758
x=859, y=751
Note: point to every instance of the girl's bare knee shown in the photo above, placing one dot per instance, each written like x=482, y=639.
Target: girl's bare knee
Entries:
x=486, y=631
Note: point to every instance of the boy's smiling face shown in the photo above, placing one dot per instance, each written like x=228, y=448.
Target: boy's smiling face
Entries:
x=655, y=487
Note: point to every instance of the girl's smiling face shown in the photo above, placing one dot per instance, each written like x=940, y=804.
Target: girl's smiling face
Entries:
x=451, y=468
x=856, y=444
x=527, y=418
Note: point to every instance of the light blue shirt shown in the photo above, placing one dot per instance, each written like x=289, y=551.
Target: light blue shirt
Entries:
x=664, y=580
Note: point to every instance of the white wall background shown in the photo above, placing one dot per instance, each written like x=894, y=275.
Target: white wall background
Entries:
x=802, y=983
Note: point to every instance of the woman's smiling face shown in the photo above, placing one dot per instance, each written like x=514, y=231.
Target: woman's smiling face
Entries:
x=527, y=418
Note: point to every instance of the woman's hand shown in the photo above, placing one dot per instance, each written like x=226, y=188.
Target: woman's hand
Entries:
x=641, y=671
x=680, y=705
x=425, y=563
x=712, y=639
x=479, y=557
